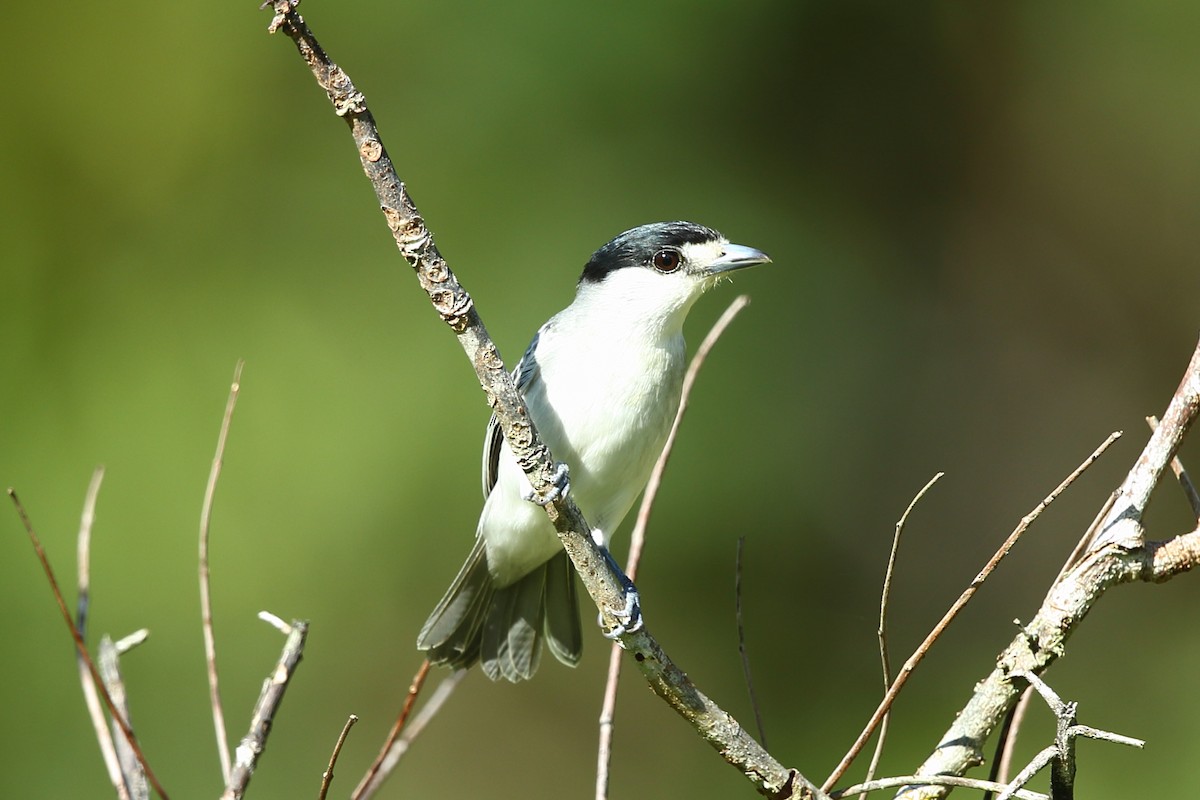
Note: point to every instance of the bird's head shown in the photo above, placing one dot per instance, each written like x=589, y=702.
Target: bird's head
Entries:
x=657, y=271
x=678, y=249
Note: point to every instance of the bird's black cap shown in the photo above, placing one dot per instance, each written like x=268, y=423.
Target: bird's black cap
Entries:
x=637, y=246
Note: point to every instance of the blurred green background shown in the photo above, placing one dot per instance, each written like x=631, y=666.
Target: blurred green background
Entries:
x=984, y=225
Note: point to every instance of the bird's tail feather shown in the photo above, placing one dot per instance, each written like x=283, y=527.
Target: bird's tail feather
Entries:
x=451, y=634
x=504, y=627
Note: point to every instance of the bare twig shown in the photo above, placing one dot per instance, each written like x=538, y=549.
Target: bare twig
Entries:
x=414, y=689
x=1181, y=475
x=1006, y=747
x=91, y=697
x=1123, y=523
x=206, y=618
x=608, y=711
x=83, y=550
x=637, y=539
x=327, y=776
x=1042, y=641
x=276, y=622
x=962, y=600
x=127, y=643
x=110, y=670
x=604, y=583
x=433, y=704
x=741, y=637
x=251, y=747
x=1111, y=560
x=1060, y=755
x=80, y=646
x=884, y=600
x=948, y=781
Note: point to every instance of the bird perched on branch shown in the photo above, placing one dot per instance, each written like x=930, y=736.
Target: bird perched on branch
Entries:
x=602, y=381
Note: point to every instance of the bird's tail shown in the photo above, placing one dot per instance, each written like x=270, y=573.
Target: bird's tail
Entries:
x=503, y=628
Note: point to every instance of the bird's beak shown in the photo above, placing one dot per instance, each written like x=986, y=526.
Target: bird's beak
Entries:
x=737, y=256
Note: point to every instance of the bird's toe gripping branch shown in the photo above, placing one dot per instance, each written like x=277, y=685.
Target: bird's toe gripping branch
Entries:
x=629, y=616
x=561, y=485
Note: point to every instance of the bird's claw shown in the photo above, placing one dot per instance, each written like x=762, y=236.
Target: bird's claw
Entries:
x=560, y=485
x=629, y=618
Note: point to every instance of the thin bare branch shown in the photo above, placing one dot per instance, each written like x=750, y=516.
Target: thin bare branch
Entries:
x=1123, y=524
x=375, y=775
x=80, y=646
x=949, y=781
x=432, y=705
x=1181, y=475
x=276, y=622
x=107, y=659
x=91, y=697
x=881, y=632
x=255, y=741
x=327, y=776
x=206, y=617
x=1006, y=745
x=1036, y=765
x=608, y=712
x=1111, y=560
x=637, y=539
x=604, y=582
x=958, y=605
x=83, y=550
x=1060, y=755
x=741, y=637
x=1042, y=641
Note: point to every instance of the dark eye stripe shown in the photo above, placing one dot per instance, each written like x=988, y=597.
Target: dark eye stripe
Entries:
x=638, y=247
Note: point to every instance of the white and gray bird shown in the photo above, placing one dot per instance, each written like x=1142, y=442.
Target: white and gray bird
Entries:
x=602, y=381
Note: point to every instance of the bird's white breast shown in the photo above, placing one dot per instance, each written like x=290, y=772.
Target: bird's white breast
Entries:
x=603, y=402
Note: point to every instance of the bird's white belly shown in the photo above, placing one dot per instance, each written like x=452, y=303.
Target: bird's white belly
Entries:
x=609, y=441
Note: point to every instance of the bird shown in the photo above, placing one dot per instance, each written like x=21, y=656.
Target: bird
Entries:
x=602, y=382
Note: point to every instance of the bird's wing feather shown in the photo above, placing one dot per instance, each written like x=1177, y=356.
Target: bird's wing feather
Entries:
x=525, y=373
x=563, y=633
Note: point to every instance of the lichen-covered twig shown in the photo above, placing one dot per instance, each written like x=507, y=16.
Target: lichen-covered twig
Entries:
x=255, y=741
x=1116, y=553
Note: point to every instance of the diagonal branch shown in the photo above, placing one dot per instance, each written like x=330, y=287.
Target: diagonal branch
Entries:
x=1113, y=558
x=456, y=308
x=398, y=747
x=1181, y=475
x=91, y=696
x=108, y=660
x=206, y=617
x=81, y=647
x=923, y=649
x=1061, y=754
x=608, y=706
x=375, y=773
x=327, y=776
x=1123, y=523
x=885, y=658
x=252, y=744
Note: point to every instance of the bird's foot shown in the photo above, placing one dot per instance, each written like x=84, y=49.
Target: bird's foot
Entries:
x=560, y=485
x=629, y=616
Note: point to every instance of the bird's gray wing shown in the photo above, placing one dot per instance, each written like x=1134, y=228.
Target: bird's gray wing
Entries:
x=525, y=373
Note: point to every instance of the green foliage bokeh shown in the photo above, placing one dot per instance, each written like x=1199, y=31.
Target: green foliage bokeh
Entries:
x=983, y=219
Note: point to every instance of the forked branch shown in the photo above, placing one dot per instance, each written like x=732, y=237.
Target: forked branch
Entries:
x=1116, y=553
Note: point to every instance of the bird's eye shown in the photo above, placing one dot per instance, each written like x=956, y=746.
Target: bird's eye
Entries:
x=666, y=260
